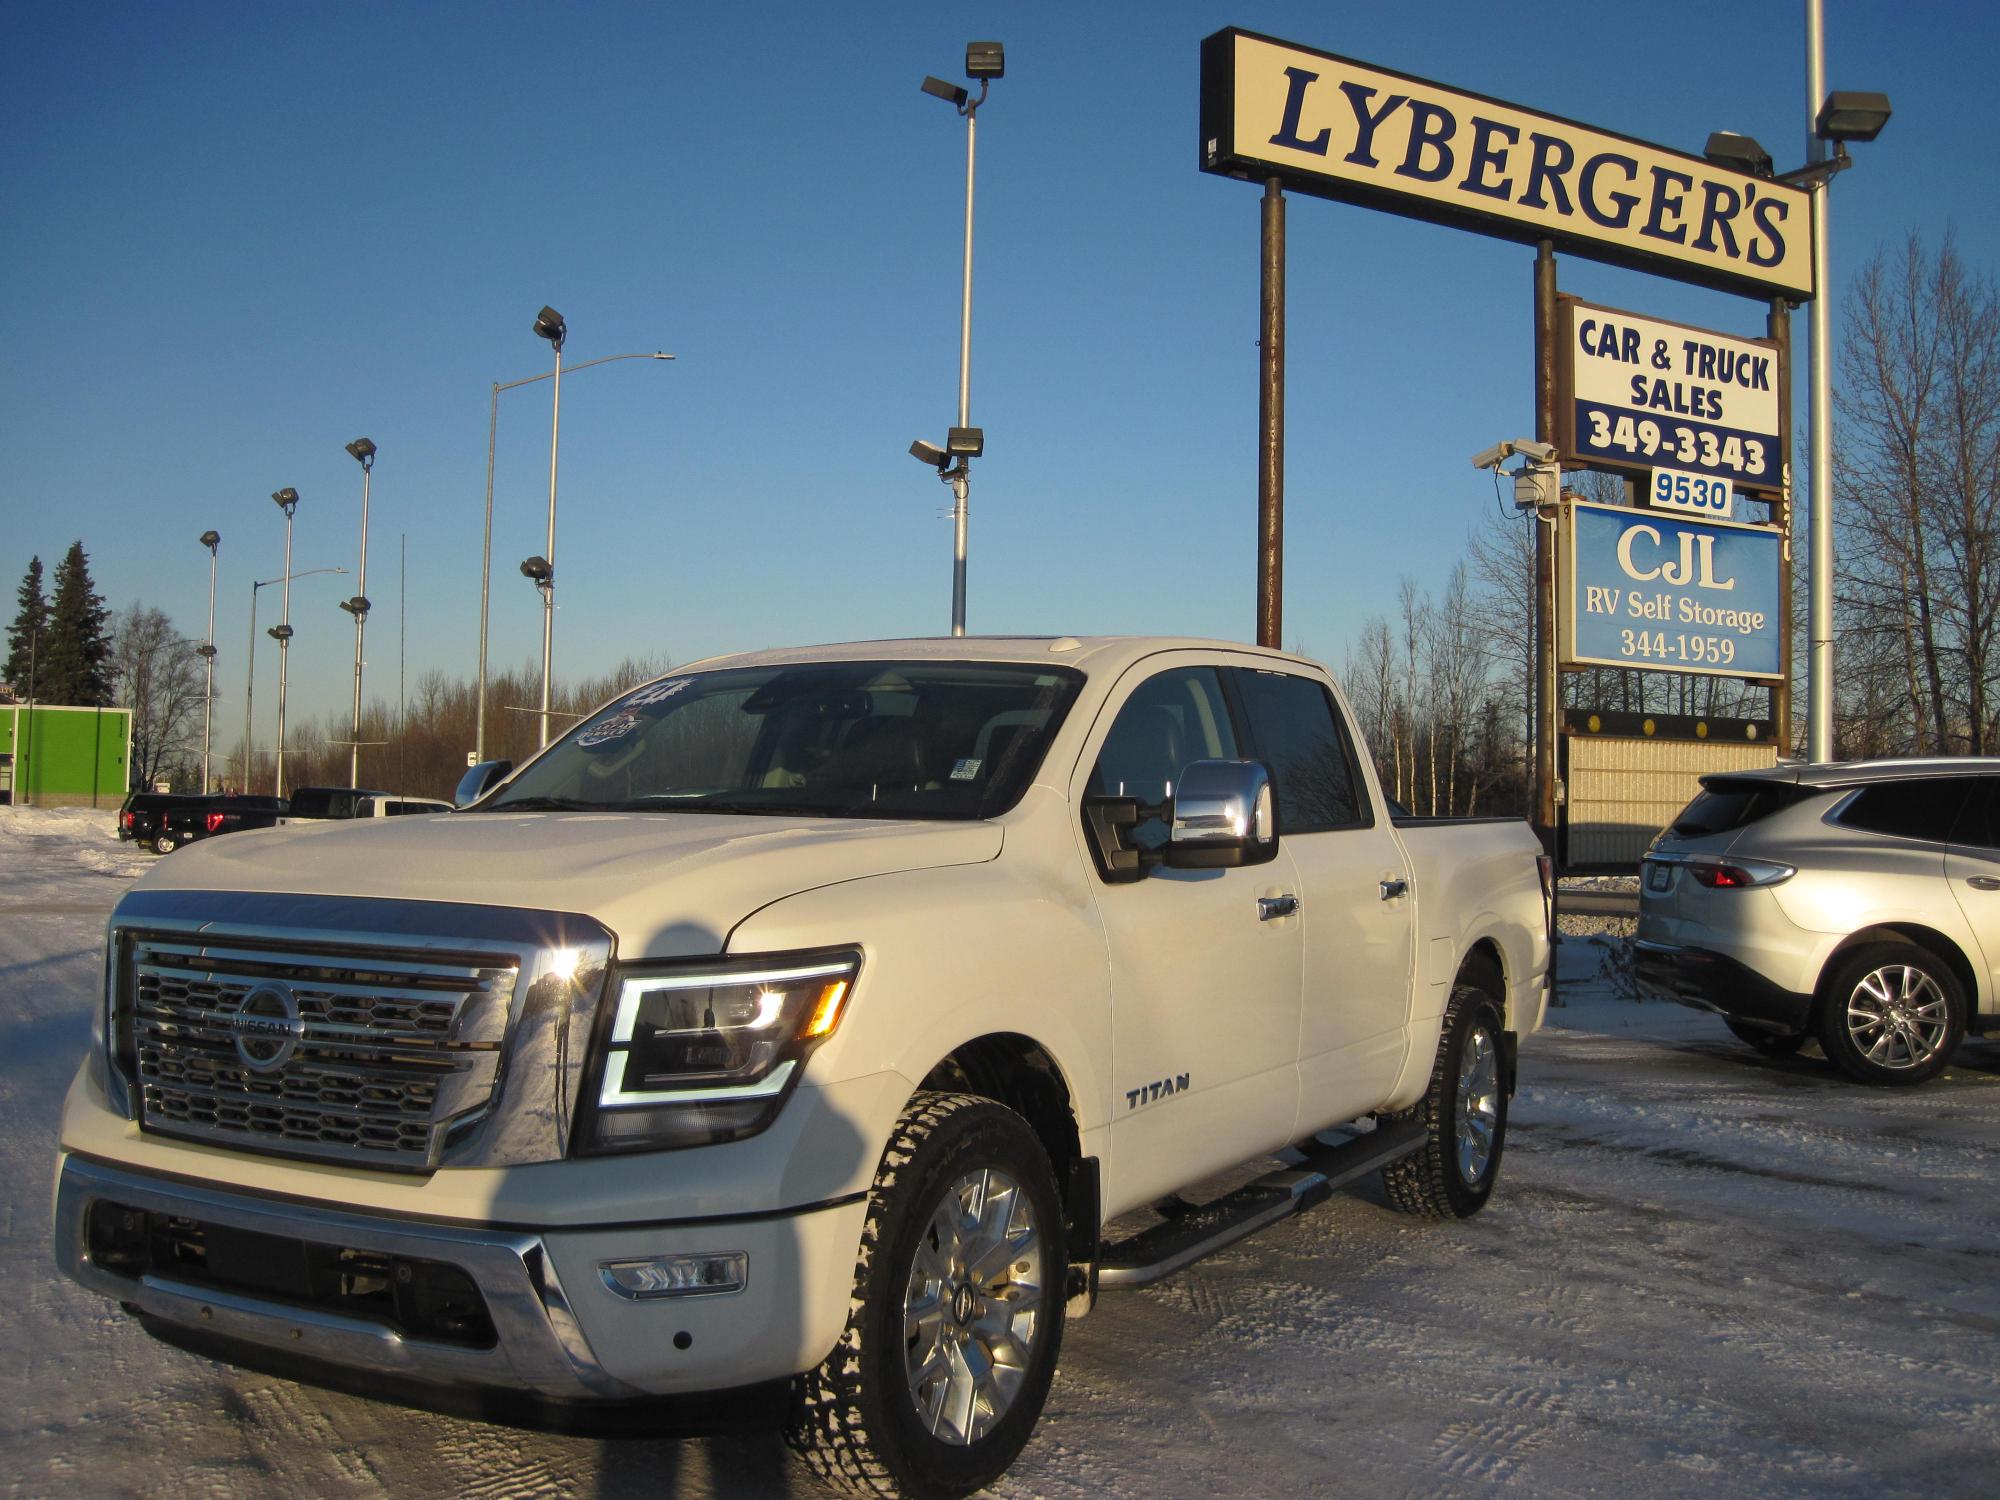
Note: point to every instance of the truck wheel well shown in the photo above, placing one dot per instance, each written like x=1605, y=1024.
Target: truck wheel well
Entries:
x=1929, y=939
x=1484, y=970
x=1018, y=1072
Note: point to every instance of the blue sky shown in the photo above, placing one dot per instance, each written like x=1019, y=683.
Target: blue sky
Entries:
x=237, y=236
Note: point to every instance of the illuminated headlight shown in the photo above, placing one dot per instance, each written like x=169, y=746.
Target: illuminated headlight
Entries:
x=677, y=1275
x=698, y=1054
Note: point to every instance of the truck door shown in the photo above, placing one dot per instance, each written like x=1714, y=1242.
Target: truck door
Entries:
x=1204, y=979
x=1355, y=903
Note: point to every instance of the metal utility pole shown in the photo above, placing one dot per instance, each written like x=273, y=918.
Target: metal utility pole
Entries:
x=549, y=324
x=1547, y=691
x=984, y=61
x=288, y=501
x=210, y=540
x=1819, y=612
x=1271, y=424
x=363, y=452
x=486, y=550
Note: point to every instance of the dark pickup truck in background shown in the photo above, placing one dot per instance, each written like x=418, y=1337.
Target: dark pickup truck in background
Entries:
x=163, y=821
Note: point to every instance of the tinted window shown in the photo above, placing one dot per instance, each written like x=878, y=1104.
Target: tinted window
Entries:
x=1170, y=720
x=1908, y=809
x=1980, y=825
x=1294, y=731
x=1724, y=805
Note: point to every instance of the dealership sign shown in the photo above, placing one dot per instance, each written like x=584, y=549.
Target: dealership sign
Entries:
x=1336, y=128
x=1652, y=591
x=1638, y=393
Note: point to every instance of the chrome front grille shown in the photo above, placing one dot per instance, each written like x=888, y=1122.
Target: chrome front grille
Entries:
x=375, y=1058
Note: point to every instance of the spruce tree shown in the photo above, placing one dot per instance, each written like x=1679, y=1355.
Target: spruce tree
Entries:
x=76, y=650
x=28, y=635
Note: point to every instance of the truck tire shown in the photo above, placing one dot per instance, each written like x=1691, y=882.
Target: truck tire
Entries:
x=957, y=1312
x=1464, y=1112
x=1770, y=1043
x=166, y=841
x=1892, y=1013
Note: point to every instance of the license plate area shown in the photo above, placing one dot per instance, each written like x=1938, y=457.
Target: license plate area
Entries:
x=1659, y=875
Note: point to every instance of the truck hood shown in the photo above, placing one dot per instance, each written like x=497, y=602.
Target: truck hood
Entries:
x=667, y=884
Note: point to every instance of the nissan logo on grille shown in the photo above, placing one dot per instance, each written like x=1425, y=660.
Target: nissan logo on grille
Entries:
x=268, y=1028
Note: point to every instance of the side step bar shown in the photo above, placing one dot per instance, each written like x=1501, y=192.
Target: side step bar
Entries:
x=1158, y=1252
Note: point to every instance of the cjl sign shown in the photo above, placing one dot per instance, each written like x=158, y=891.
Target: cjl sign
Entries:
x=1650, y=591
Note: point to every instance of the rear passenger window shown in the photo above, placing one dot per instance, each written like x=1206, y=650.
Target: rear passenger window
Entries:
x=1979, y=826
x=1908, y=809
x=1294, y=731
x=1722, y=806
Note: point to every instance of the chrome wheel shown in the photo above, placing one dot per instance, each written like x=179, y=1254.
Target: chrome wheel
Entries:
x=1897, y=1017
x=1478, y=1113
x=973, y=1306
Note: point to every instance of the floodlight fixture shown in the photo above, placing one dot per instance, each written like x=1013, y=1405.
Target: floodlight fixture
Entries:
x=1852, y=116
x=287, y=500
x=211, y=539
x=363, y=450
x=929, y=453
x=1726, y=148
x=549, y=325
x=280, y=632
x=357, y=606
x=206, y=651
x=985, y=60
x=538, y=569
x=951, y=93
x=965, y=442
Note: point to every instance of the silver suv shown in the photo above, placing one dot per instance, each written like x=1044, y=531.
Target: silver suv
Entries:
x=1855, y=903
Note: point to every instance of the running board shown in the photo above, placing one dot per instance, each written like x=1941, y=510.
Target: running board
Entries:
x=1160, y=1251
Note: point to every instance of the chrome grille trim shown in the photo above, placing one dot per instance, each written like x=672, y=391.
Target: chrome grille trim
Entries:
x=508, y=1066
x=390, y=1053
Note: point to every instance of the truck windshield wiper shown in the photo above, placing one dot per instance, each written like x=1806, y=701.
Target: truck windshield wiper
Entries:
x=545, y=804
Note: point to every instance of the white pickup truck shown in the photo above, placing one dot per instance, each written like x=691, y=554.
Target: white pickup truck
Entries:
x=804, y=1015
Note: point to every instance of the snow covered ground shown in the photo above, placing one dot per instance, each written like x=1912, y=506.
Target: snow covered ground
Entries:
x=1703, y=1273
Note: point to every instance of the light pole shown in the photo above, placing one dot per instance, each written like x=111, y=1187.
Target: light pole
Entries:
x=1837, y=118
x=250, y=666
x=486, y=551
x=210, y=540
x=363, y=451
x=984, y=61
x=549, y=325
x=287, y=500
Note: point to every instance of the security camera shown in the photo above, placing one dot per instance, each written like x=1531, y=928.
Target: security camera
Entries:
x=1527, y=448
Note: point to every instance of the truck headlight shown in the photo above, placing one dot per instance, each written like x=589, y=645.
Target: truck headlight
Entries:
x=706, y=1052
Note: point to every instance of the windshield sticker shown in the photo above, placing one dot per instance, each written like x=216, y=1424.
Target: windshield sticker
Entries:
x=605, y=731
x=967, y=769
x=658, y=692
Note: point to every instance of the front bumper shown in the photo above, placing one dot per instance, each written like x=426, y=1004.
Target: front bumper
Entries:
x=557, y=1329
x=1716, y=982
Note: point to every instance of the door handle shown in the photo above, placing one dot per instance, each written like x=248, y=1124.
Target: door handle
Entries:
x=1391, y=889
x=1982, y=882
x=1270, y=908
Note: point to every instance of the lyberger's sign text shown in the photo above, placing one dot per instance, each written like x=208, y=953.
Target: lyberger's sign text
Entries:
x=1341, y=129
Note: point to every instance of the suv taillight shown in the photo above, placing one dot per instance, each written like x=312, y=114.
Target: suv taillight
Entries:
x=1738, y=874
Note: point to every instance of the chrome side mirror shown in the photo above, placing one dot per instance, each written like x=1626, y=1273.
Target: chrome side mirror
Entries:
x=480, y=780
x=1223, y=816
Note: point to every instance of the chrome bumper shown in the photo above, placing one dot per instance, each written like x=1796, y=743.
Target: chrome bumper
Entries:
x=540, y=1349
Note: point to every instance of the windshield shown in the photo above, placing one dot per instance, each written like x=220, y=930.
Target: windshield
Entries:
x=832, y=740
